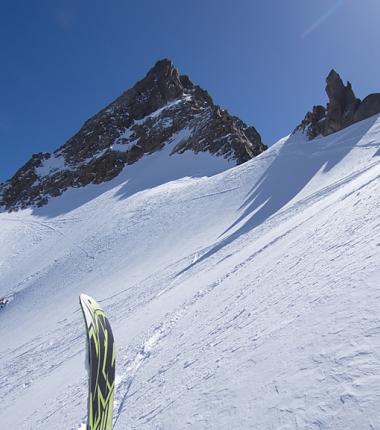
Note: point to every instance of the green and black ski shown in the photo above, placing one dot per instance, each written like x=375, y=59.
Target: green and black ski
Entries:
x=101, y=354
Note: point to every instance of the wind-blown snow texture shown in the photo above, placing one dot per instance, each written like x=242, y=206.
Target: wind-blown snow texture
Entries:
x=245, y=300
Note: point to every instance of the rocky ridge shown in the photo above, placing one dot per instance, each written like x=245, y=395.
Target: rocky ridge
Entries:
x=342, y=110
x=161, y=108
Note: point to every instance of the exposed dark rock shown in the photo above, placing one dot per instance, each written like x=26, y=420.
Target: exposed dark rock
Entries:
x=342, y=104
x=368, y=107
x=313, y=123
x=163, y=107
x=343, y=109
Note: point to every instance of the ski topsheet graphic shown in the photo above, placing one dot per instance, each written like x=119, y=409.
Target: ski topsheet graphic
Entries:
x=101, y=354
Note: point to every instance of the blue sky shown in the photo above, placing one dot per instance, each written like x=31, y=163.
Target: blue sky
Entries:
x=263, y=60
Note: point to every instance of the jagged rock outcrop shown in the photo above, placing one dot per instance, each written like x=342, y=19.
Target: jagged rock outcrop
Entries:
x=343, y=109
x=313, y=124
x=162, y=108
x=368, y=107
x=342, y=104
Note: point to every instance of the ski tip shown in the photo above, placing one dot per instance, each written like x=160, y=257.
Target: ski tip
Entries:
x=84, y=298
x=87, y=302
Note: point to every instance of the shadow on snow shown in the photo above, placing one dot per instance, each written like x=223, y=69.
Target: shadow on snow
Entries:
x=293, y=168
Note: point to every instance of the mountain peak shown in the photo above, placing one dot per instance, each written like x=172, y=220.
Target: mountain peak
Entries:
x=163, y=109
x=164, y=77
x=163, y=67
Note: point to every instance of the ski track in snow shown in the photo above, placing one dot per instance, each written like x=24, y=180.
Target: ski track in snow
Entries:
x=220, y=321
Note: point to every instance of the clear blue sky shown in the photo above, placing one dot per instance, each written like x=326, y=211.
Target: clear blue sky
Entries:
x=263, y=60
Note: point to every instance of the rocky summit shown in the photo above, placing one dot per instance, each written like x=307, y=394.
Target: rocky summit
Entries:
x=342, y=110
x=162, y=108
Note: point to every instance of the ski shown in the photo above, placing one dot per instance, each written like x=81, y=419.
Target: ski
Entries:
x=101, y=365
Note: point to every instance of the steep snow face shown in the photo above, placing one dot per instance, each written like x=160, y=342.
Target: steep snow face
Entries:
x=244, y=299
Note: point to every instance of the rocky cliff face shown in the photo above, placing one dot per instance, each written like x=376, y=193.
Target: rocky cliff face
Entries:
x=343, y=109
x=163, y=107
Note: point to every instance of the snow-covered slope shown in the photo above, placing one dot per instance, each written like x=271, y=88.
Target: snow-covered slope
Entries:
x=249, y=299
